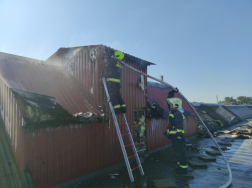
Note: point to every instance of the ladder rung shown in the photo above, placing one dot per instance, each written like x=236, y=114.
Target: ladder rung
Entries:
x=125, y=134
x=131, y=156
x=128, y=145
x=135, y=168
x=121, y=124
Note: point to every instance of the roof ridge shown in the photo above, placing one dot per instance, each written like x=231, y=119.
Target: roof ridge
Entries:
x=30, y=60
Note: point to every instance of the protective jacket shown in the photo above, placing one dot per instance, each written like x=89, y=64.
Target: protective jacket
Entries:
x=176, y=119
x=114, y=69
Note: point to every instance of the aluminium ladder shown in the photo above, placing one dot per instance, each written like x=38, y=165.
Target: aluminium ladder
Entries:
x=126, y=158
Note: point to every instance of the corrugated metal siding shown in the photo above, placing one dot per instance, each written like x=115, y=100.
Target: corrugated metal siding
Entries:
x=249, y=107
x=160, y=96
x=82, y=64
x=155, y=133
x=85, y=65
x=12, y=118
x=58, y=155
x=240, y=110
x=12, y=173
x=61, y=154
x=38, y=77
x=157, y=127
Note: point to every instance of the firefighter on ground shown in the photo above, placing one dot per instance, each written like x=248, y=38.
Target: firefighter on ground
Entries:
x=175, y=131
x=114, y=69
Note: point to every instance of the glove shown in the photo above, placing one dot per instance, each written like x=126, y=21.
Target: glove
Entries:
x=179, y=139
x=171, y=93
x=176, y=90
x=167, y=135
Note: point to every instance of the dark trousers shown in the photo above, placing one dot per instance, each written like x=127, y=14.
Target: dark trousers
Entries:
x=179, y=149
x=115, y=97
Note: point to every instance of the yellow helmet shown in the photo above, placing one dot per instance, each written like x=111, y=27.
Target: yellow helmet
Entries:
x=177, y=103
x=119, y=55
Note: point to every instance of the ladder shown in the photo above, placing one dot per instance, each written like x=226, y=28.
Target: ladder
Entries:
x=120, y=136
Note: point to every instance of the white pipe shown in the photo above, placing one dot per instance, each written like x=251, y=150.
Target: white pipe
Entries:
x=209, y=133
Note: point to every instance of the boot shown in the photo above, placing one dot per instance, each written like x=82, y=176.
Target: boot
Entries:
x=181, y=170
x=178, y=167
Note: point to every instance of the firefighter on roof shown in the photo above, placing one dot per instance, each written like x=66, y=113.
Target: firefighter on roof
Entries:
x=175, y=131
x=114, y=69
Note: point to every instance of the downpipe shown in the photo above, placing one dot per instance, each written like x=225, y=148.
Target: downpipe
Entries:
x=209, y=133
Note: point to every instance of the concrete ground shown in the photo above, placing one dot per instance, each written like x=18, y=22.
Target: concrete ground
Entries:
x=160, y=165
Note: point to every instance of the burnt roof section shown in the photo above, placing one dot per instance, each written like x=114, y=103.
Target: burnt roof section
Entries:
x=240, y=110
x=39, y=77
x=249, y=107
x=127, y=57
x=157, y=97
x=210, y=109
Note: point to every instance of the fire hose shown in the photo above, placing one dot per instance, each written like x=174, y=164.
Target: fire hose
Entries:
x=209, y=133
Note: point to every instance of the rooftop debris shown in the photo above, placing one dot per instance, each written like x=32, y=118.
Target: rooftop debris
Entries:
x=222, y=148
x=227, y=140
x=182, y=176
x=197, y=164
x=212, y=152
x=40, y=111
x=241, y=131
x=224, y=143
x=193, y=147
x=206, y=158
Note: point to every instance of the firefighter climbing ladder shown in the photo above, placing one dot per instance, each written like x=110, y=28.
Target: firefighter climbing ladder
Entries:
x=120, y=136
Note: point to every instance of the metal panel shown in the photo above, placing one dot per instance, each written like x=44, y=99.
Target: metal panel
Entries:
x=58, y=155
x=249, y=107
x=224, y=114
x=85, y=66
x=39, y=77
x=158, y=93
x=210, y=110
x=157, y=127
x=65, y=153
x=240, y=110
x=12, y=174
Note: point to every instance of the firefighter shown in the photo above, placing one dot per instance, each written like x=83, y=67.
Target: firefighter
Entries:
x=175, y=131
x=114, y=69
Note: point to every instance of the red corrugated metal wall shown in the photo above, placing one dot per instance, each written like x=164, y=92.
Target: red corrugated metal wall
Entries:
x=12, y=118
x=157, y=127
x=86, y=66
x=83, y=63
x=56, y=155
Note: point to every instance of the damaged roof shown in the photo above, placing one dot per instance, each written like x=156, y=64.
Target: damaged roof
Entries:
x=241, y=110
x=69, y=50
x=157, y=98
x=218, y=112
x=249, y=107
x=39, y=77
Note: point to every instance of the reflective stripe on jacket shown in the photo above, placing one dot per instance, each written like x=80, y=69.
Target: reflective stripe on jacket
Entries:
x=175, y=131
x=113, y=80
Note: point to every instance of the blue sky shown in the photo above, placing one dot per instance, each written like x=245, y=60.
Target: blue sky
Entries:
x=202, y=47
